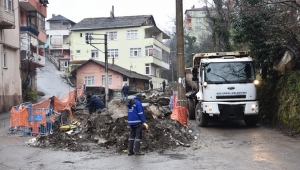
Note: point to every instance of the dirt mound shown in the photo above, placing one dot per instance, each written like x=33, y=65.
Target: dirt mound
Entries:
x=108, y=128
x=102, y=130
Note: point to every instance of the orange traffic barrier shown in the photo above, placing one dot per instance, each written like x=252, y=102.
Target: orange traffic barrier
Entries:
x=18, y=117
x=42, y=104
x=32, y=116
x=180, y=114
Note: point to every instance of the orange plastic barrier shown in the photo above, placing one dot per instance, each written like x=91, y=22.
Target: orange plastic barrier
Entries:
x=42, y=104
x=39, y=120
x=18, y=117
x=180, y=114
x=38, y=112
x=61, y=104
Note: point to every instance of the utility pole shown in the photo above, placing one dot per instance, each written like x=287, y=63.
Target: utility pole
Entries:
x=180, y=54
x=88, y=39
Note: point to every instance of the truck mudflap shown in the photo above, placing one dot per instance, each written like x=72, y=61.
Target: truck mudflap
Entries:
x=228, y=110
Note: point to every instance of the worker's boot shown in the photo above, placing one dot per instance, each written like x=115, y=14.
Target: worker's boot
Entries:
x=130, y=147
x=137, y=148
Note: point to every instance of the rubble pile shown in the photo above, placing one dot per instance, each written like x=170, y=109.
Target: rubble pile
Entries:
x=108, y=128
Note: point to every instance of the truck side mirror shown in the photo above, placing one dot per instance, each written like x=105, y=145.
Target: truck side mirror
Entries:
x=195, y=74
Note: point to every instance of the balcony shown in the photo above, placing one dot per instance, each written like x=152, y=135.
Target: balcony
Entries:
x=157, y=62
x=63, y=46
x=7, y=18
x=151, y=41
x=33, y=5
x=31, y=28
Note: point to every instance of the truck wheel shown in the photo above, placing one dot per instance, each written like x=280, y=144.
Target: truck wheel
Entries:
x=191, y=109
x=251, y=120
x=201, y=118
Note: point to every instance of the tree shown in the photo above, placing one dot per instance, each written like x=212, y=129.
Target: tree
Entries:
x=189, y=48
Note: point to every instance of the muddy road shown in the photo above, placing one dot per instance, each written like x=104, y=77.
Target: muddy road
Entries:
x=230, y=145
x=220, y=146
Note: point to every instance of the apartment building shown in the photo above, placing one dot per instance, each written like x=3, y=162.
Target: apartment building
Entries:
x=197, y=24
x=134, y=43
x=10, y=79
x=32, y=38
x=58, y=39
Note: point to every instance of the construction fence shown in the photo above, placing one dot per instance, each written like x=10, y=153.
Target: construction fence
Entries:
x=37, y=119
x=179, y=113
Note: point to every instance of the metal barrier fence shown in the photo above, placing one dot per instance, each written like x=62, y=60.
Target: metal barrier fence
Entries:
x=40, y=121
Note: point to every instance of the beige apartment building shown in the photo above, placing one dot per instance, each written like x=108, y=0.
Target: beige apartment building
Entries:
x=10, y=79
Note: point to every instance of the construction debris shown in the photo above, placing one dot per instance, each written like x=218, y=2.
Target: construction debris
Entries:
x=108, y=128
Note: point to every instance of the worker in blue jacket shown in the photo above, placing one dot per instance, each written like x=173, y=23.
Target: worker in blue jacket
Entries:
x=94, y=103
x=136, y=122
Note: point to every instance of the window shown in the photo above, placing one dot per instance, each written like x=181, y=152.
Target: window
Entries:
x=78, y=51
x=36, y=19
x=80, y=34
x=197, y=28
x=66, y=63
x=198, y=20
x=109, y=80
x=191, y=13
x=135, y=52
x=157, y=53
x=41, y=21
x=8, y=4
x=4, y=60
x=149, y=51
x=132, y=34
x=113, y=53
x=94, y=54
x=89, y=80
x=124, y=78
x=112, y=35
x=89, y=34
x=153, y=71
x=147, y=67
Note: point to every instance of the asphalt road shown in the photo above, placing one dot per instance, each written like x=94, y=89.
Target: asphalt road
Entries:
x=221, y=146
x=50, y=82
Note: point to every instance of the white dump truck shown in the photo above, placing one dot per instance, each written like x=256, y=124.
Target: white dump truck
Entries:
x=222, y=85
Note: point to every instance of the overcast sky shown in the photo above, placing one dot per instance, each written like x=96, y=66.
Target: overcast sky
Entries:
x=76, y=10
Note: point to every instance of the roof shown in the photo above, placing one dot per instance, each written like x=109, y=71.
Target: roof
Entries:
x=114, y=22
x=196, y=9
x=115, y=68
x=59, y=18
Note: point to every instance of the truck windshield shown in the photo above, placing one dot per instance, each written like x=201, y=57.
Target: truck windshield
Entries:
x=229, y=72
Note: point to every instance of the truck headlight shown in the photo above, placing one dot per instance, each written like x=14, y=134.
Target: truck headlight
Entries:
x=253, y=107
x=256, y=82
x=204, y=84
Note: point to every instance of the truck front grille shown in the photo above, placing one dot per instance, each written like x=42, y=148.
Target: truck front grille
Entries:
x=232, y=97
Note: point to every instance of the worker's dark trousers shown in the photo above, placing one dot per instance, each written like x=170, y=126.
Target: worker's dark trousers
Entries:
x=135, y=138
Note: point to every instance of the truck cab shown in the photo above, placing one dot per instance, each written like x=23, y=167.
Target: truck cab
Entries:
x=224, y=88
